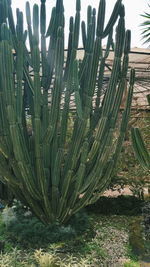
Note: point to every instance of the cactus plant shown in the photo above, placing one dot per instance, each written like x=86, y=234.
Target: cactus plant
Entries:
x=139, y=146
x=54, y=179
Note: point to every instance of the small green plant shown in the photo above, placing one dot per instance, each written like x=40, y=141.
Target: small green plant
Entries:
x=47, y=259
x=8, y=216
x=131, y=264
x=146, y=27
x=17, y=258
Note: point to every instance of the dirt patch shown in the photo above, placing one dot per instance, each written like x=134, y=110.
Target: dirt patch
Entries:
x=125, y=191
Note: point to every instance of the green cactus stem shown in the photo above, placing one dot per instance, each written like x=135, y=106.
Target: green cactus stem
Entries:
x=51, y=167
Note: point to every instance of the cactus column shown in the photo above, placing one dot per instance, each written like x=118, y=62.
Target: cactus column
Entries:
x=139, y=146
x=52, y=175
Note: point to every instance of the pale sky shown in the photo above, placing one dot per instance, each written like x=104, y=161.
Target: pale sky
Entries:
x=133, y=10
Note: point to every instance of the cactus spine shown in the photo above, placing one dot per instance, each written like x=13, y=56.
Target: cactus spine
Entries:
x=45, y=170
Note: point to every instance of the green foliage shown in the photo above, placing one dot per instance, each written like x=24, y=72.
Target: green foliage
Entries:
x=8, y=216
x=121, y=205
x=131, y=264
x=27, y=231
x=106, y=246
x=54, y=178
x=6, y=195
x=145, y=26
x=32, y=233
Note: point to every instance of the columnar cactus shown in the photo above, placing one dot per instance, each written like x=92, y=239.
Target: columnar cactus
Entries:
x=53, y=177
x=139, y=146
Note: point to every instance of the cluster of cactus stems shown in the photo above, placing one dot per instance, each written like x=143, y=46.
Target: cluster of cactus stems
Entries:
x=139, y=146
x=54, y=179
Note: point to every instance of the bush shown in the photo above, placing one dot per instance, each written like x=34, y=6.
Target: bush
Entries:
x=146, y=214
x=121, y=205
x=26, y=230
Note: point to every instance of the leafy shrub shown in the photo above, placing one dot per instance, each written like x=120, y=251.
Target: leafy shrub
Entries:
x=31, y=232
x=121, y=205
x=9, y=216
x=80, y=222
x=146, y=214
x=46, y=259
x=28, y=231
